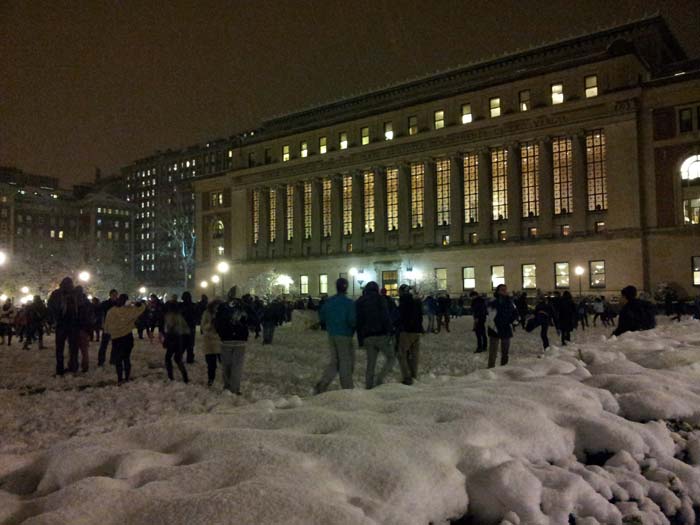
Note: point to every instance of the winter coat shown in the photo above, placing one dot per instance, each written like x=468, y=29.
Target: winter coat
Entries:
x=189, y=314
x=544, y=314
x=566, y=315
x=501, y=314
x=443, y=305
x=410, y=315
x=7, y=314
x=430, y=305
x=63, y=305
x=338, y=314
x=210, y=338
x=634, y=316
x=86, y=313
x=372, y=315
x=120, y=320
x=479, y=310
x=231, y=321
x=176, y=330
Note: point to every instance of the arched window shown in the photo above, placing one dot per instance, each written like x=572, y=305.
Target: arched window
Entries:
x=690, y=181
x=690, y=169
x=218, y=230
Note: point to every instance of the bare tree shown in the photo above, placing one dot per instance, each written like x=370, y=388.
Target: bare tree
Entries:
x=175, y=234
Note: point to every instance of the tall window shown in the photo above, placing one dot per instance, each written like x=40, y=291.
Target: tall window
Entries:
x=466, y=113
x=691, y=211
x=529, y=169
x=590, y=84
x=323, y=283
x=364, y=132
x=307, y=210
x=695, y=267
x=524, y=100
x=304, y=149
x=322, y=145
x=388, y=131
x=343, y=140
x=412, y=125
x=597, y=274
x=326, y=201
x=563, y=175
x=443, y=192
x=290, y=211
x=256, y=216
x=347, y=205
x=304, y=284
x=596, y=172
x=392, y=199
x=685, y=120
x=557, y=93
x=690, y=169
x=285, y=153
x=468, y=278
x=471, y=187
x=561, y=275
x=495, y=107
x=498, y=276
x=417, y=194
x=439, y=119
x=499, y=183
x=217, y=199
x=273, y=215
x=529, y=272
x=441, y=278
x=368, y=194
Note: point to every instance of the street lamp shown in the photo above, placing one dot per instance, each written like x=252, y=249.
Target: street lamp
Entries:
x=84, y=276
x=203, y=284
x=215, y=279
x=579, y=271
x=24, y=290
x=3, y=298
x=143, y=290
x=223, y=267
x=352, y=273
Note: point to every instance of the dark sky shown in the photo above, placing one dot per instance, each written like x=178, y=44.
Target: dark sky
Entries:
x=99, y=83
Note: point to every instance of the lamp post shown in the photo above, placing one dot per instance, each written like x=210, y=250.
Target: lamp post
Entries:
x=223, y=267
x=84, y=276
x=215, y=279
x=579, y=271
x=352, y=273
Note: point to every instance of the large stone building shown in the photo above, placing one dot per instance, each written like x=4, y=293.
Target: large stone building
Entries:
x=581, y=154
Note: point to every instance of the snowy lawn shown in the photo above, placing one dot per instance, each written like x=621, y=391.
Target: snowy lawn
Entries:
x=598, y=432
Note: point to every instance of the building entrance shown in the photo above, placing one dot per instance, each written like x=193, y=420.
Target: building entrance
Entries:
x=390, y=281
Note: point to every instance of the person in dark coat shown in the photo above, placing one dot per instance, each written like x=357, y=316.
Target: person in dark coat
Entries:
x=410, y=328
x=374, y=328
x=272, y=316
x=522, y=307
x=189, y=313
x=478, y=307
x=444, y=304
x=63, y=306
x=86, y=321
x=566, y=316
x=544, y=318
x=500, y=318
x=635, y=314
x=37, y=314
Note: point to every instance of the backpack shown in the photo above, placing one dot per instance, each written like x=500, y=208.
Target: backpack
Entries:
x=647, y=315
x=231, y=322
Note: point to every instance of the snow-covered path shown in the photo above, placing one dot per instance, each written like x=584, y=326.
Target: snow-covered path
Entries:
x=602, y=430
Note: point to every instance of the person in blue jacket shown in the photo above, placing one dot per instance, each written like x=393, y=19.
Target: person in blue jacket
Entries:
x=500, y=318
x=338, y=315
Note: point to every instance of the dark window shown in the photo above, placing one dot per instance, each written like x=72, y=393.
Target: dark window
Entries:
x=685, y=120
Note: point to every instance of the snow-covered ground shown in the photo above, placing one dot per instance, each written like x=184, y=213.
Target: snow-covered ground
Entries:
x=597, y=432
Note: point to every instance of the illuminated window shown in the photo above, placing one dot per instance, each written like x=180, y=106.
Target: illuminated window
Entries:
x=443, y=192
x=304, y=284
x=466, y=113
x=109, y=235
x=347, y=205
x=307, y=210
x=499, y=184
x=565, y=230
x=695, y=267
x=439, y=119
x=529, y=169
x=388, y=131
x=591, y=85
x=445, y=240
x=285, y=153
x=524, y=100
x=691, y=211
x=217, y=199
x=343, y=140
x=441, y=278
x=53, y=234
x=557, y=93
x=304, y=149
x=256, y=216
x=597, y=274
x=529, y=275
x=468, y=278
x=365, y=136
x=596, y=171
x=417, y=194
x=561, y=275
x=273, y=215
x=323, y=283
x=326, y=201
x=563, y=176
x=498, y=276
x=322, y=145
x=495, y=107
x=368, y=187
x=392, y=199
x=290, y=211
x=600, y=227
x=412, y=125
x=502, y=235
x=219, y=249
x=471, y=188
x=532, y=232
x=690, y=169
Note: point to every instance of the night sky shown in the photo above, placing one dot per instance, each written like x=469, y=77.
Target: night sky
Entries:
x=98, y=83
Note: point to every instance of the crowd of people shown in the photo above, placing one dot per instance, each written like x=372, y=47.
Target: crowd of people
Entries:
x=384, y=327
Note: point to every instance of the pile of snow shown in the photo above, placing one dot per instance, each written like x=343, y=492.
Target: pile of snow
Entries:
x=599, y=432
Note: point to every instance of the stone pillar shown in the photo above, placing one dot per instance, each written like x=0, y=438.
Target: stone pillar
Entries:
x=379, y=207
x=264, y=230
x=456, y=198
x=485, y=216
x=429, y=202
x=298, y=239
x=281, y=219
x=404, y=205
x=358, y=211
x=316, y=211
x=580, y=185
x=546, y=181
x=515, y=205
x=337, y=213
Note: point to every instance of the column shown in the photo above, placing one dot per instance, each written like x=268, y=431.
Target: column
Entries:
x=404, y=205
x=264, y=229
x=337, y=213
x=580, y=186
x=358, y=211
x=515, y=204
x=485, y=212
x=456, y=198
x=429, y=202
x=379, y=206
x=281, y=219
x=298, y=239
x=316, y=210
x=546, y=182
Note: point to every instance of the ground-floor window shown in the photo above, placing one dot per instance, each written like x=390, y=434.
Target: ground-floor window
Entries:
x=323, y=283
x=468, y=278
x=561, y=275
x=529, y=272
x=597, y=274
x=390, y=281
x=498, y=276
x=441, y=278
x=691, y=211
x=696, y=270
x=304, y=284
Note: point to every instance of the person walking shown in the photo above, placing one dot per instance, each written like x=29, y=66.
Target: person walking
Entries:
x=567, y=317
x=119, y=323
x=430, y=310
x=338, y=314
x=544, y=317
x=211, y=343
x=582, y=314
x=444, y=304
x=106, y=337
x=272, y=316
x=188, y=309
x=598, y=310
x=175, y=337
x=479, y=313
x=231, y=321
x=523, y=308
x=63, y=305
x=86, y=321
x=410, y=328
x=7, y=319
x=96, y=331
x=35, y=316
x=374, y=329
x=500, y=318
